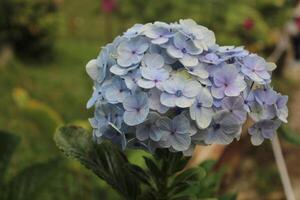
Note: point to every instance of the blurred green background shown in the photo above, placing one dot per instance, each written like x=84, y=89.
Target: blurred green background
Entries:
x=45, y=44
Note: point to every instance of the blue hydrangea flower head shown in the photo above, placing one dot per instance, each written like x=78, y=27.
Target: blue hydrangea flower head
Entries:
x=172, y=86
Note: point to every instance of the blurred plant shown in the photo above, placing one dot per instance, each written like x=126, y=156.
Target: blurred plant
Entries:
x=254, y=23
x=163, y=177
x=29, y=26
x=29, y=182
x=45, y=120
x=108, y=6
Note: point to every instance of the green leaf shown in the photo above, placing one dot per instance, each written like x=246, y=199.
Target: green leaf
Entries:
x=140, y=174
x=192, y=174
x=105, y=159
x=153, y=168
x=28, y=183
x=208, y=165
x=8, y=143
x=288, y=135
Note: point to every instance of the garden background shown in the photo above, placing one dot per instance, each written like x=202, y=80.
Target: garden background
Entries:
x=45, y=44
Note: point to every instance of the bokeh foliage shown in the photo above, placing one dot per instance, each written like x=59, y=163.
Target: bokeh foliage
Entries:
x=29, y=26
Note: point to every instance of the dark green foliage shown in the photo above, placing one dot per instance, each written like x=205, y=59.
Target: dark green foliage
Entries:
x=287, y=134
x=162, y=179
x=8, y=143
x=29, y=182
x=29, y=26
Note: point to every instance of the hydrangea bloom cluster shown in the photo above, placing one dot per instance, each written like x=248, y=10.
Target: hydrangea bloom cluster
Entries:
x=171, y=86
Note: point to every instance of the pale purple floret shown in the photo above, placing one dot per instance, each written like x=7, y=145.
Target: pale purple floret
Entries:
x=148, y=129
x=130, y=52
x=116, y=91
x=227, y=82
x=261, y=130
x=184, y=49
x=154, y=101
x=159, y=32
x=255, y=68
x=261, y=112
x=153, y=77
x=235, y=105
x=179, y=92
x=132, y=78
x=228, y=52
x=136, y=108
x=174, y=132
x=161, y=51
x=281, y=107
x=201, y=111
x=211, y=58
x=265, y=96
x=223, y=130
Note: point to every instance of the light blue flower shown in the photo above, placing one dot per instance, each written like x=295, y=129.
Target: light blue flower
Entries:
x=98, y=93
x=201, y=110
x=135, y=31
x=136, y=108
x=153, y=60
x=198, y=70
x=158, y=71
x=159, y=32
x=223, y=130
x=184, y=50
x=264, y=129
x=116, y=91
x=227, y=81
x=114, y=135
x=131, y=52
x=156, y=49
x=105, y=113
x=235, y=105
x=255, y=68
x=248, y=97
x=96, y=96
x=281, y=108
x=179, y=92
x=174, y=132
x=121, y=71
x=202, y=37
x=148, y=129
x=154, y=101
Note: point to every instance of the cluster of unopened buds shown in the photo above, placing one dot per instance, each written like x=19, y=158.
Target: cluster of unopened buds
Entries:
x=171, y=86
